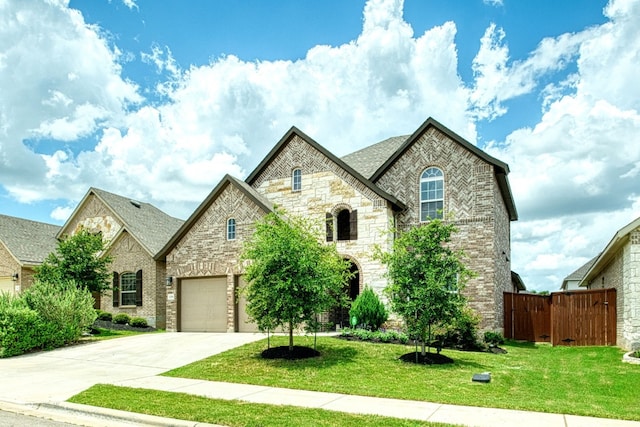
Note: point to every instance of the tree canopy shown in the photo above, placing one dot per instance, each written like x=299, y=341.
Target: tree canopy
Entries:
x=291, y=276
x=426, y=277
x=78, y=258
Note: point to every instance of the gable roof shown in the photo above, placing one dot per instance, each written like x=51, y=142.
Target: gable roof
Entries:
x=517, y=282
x=150, y=226
x=618, y=240
x=227, y=180
x=579, y=274
x=28, y=241
x=369, y=159
x=501, y=169
x=397, y=204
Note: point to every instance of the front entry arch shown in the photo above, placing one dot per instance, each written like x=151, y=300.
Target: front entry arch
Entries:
x=340, y=315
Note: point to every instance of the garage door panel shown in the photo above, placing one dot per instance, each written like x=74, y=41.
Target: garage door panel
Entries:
x=203, y=305
x=7, y=285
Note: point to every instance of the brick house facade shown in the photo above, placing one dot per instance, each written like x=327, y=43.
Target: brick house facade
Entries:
x=133, y=232
x=357, y=198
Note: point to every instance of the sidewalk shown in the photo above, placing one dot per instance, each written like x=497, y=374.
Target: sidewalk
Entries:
x=415, y=410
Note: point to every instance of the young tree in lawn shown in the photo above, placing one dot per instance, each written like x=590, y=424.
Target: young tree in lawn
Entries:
x=78, y=258
x=291, y=276
x=426, y=278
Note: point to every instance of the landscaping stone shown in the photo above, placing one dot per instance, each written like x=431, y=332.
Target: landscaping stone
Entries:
x=484, y=377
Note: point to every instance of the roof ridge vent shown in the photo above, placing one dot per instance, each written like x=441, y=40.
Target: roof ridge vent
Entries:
x=135, y=203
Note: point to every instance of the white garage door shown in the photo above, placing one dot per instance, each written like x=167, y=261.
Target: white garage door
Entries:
x=203, y=305
x=243, y=318
x=7, y=285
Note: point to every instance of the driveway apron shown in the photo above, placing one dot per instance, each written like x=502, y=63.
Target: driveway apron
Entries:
x=54, y=376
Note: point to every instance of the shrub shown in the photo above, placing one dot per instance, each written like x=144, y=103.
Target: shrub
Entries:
x=105, y=315
x=382, y=336
x=121, y=319
x=493, y=338
x=66, y=311
x=368, y=310
x=462, y=333
x=138, y=322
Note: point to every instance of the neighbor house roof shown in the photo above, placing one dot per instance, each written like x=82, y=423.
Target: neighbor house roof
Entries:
x=609, y=252
x=377, y=151
x=579, y=274
x=516, y=280
x=28, y=241
x=150, y=226
x=251, y=193
x=397, y=204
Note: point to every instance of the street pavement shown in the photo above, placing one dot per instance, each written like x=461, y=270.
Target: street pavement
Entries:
x=38, y=385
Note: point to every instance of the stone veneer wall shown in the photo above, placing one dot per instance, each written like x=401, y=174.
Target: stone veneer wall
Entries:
x=631, y=271
x=95, y=216
x=623, y=274
x=473, y=200
x=129, y=256
x=327, y=188
x=205, y=251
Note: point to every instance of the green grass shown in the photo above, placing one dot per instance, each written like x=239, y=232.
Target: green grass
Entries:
x=105, y=334
x=590, y=381
x=229, y=413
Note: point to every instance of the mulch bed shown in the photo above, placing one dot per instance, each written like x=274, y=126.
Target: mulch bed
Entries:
x=105, y=324
x=283, y=352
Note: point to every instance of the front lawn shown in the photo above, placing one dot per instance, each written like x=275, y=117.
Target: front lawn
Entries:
x=588, y=381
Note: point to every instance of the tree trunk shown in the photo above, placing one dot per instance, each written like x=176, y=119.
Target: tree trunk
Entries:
x=291, y=336
x=423, y=348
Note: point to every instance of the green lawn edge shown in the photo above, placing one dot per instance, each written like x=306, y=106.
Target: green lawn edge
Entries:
x=233, y=413
x=586, y=381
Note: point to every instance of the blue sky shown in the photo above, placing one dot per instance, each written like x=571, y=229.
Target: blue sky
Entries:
x=157, y=100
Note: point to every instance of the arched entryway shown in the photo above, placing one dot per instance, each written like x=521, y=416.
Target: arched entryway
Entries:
x=339, y=317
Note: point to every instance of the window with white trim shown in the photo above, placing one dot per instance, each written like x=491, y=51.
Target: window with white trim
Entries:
x=128, y=288
x=231, y=229
x=296, y=180
x=431, y=194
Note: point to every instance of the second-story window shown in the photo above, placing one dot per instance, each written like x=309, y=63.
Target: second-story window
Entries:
x=231, y=229
x=431, y=194
x=296, y=180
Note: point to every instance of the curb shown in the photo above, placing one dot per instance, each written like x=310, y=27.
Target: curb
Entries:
x=94, y=416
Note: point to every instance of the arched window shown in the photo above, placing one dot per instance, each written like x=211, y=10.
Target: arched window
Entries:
x=431, y=194
x=345, y=225
x=231, y=229
x=296, y=180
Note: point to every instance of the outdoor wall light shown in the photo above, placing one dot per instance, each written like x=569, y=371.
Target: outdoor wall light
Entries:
x=169, y=280
x=15, y=277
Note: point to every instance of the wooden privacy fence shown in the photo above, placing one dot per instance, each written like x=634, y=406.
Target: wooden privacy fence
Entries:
x=562, y=318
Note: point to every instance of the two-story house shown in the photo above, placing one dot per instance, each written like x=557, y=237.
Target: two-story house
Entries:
x=400, y=182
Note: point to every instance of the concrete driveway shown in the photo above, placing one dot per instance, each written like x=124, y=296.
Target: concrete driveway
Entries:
x=54, y=376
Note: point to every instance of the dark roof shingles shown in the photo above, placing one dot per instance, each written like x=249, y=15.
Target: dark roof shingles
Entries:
x=29, y=241
x=151, y=226
x=367, y=160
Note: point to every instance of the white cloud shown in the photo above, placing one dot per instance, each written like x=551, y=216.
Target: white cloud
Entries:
x=62, y=213
x=63, y=82
x=577, y=168
x=574, y=174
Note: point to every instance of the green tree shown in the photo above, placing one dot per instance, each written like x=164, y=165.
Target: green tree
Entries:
x=291, y=276
x=80, y=259
x=426, y=278
x=368, y=310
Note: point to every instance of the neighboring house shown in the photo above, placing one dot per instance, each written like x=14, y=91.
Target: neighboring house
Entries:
x=133, y=232
x=24, y=245
x=402, y=181
x=572, y=281
x=517, y=283
x=618, y=266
